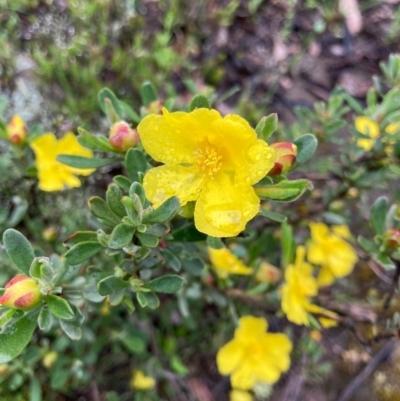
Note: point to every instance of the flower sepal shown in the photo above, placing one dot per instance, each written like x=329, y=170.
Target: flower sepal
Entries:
x=284, y=191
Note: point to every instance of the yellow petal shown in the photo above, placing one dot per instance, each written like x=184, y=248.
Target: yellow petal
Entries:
x=293, y=306
x=366, y=144
x=393, y=128
x=243, y=378
x=69, y=145
x=367, y=126
x=45, y=147
x=250, y=327
x=223, y=209
x=174, y=137
x=315, y=253
x=162, y=182
x=325, y=277
x=239, y=395
x=141, y=382
x=229, y=357
x=343, y=231
x=225, y=263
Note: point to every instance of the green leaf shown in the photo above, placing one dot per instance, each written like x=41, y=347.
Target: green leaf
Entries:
x=267, y=126
x=135, y=163
x=102, y=210
x=80, y=236
x=111, y=284
x=367, y=245
x=130, y=207
x=72, y=331
x=113, y=197
x=85, y=162
x=19, y=250
x=280, y=218
x=164, y=212
x=82, y=251
x=378, y=214
x=288, y=245
x=138, y=189
x=107, y=93
x=215, y=243
x=135, y=341
x=148, y=93
x=59, y=307
x=123, y=182
x=172, y=260
x=159, y=230
x=151, y=241
x=129, y=112
x=198, y=102
x=306, y=147
x=16, y=337
x=6, y=316
x=152, y=299
x=284, y=191
x=45, y=319
x=94, y=142
x=141, y=298
x=166, y=284
x=121, y=236
x=35, y=389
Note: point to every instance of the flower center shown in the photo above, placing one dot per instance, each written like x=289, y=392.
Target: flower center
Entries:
x=254, y=351
x=209, y=161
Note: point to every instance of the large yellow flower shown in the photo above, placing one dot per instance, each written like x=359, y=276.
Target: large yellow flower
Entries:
x=208, y=159
x=370, y=128
x=53, y=175
x=254, y=356
x=140, y=381
x=226, y=263
x=329, y=249
x=300, y=286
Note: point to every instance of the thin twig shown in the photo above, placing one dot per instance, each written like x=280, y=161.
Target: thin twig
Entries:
x=381, y=356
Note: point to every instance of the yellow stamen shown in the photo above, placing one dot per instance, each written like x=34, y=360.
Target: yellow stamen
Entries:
x=209, y=161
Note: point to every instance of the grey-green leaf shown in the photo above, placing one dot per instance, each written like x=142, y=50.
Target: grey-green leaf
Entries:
x=82, y=251
x=85, y=162
x=306, y=147
x=111, y=284
x=378, y=214
x=163, y=213
x=59, y=307
x=121, y=236
x=166, y=284
x=16, y=337
x=135, y=163
x=19, y=249
x=100, y=208
x=113, y=197
x=198, y=102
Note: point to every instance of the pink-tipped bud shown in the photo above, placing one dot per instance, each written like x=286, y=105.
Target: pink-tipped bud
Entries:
x=22, y=292
x=391, y=239
x=17, y=130
x=285, y=157
x=123, y=137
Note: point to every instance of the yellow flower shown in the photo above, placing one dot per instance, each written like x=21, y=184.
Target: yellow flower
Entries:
x=140, y=381
x=328, y=249
x=209, y=159
x=300, y=286
x=239, y=395
x=17, y=130
x=370, y=128
x=226, y=263
x=53, y=175
x=254, y=356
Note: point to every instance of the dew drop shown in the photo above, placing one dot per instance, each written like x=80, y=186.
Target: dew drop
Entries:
x=258, y=157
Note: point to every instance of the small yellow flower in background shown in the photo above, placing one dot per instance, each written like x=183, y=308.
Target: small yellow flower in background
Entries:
x=300, y=286
x=370, y=128
x=239, y=395
x=17, y=130
x=53, y=175
x=140, y=381
x=254, y=356
x=329, y=249
x=268, y=273
x=226, y=263
x=209, y=159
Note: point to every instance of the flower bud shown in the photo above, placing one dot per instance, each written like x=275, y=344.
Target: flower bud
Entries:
x=17, y=130
x=123, y=137
x=22, y=292
x=391, y=239
x=285, y=157
x=268, y=273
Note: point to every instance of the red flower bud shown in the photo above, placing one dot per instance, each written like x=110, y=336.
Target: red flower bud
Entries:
x=22, y=292
x=123, y=137
x=391, y=239
x=17, y=130
x=285, y=157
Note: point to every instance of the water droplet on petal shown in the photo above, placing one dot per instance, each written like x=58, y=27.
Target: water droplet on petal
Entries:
x=258, y=157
